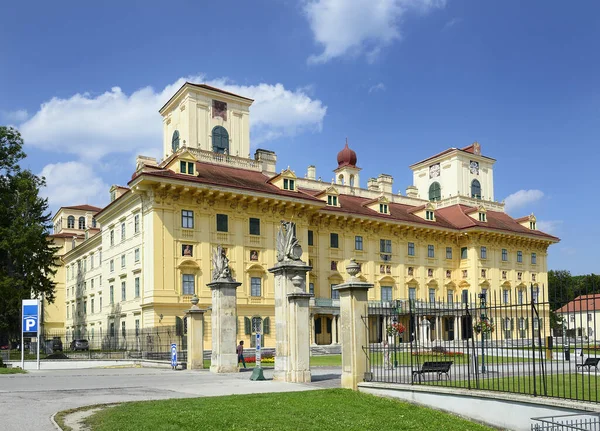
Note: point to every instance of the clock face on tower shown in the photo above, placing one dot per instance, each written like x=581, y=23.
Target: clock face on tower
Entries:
x=434, y=170
x=474, y=167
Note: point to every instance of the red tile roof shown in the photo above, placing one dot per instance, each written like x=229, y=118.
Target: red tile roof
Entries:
x=453, y=217
x=237, y=178
x=468, y=149
x=582, y=303
x=65, y=235
x=84, y=208
x=206, y=87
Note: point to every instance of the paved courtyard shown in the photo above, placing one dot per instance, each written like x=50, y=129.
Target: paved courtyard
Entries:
x=29, y=400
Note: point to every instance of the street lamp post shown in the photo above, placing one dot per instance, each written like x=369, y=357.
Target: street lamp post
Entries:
x=483, y=319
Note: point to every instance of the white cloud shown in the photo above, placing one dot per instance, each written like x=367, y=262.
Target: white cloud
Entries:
x=569, y=250
x=451, y=23
x=549, y=226
x=359, y=26
x=13, y=117
x=73, y=183
x=377, y=87
x=92, y=126
x=522, y=198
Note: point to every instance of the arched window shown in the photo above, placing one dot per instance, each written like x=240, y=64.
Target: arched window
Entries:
x=435, y=192
x=220, y=140
x=175, y=141
x=71, y=222
x=476, y=189
x=351, y=180
x=341, y=179
x=81, y=222
x=93, y=221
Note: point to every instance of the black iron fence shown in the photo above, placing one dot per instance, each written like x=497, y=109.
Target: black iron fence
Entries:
x=520, y=343
x=144, y=343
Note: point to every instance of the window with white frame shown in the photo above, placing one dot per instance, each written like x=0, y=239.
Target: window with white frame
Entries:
x=188, y=284
x=136, y=254
x=136, y=223
x=255, y=286
x=386, y=293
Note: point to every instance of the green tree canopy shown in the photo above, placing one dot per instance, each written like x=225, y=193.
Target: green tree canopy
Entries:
x=27, y=257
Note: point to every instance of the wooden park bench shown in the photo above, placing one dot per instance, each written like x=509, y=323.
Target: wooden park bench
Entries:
x=442, y=367
x=589, y=363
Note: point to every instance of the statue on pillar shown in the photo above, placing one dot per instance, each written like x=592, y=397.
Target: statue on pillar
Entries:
x=221, y=270
x=288, y=247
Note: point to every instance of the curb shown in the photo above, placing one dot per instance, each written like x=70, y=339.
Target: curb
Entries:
x=54, y=422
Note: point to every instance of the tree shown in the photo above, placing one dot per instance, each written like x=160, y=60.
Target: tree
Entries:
x=27, y=257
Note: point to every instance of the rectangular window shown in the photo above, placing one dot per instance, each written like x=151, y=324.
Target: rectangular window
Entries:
x=137, y=287
x=92, y=305
x=255, y=286
x=311, y=238
x=123, y=231
x=123, y=331
x=411, y=248
x=183, y=167
x=431, y=295
x=450, y=297
x=412, y=293
x=520, y=256
x=504, y=255
x=222, y=223
x=448, y=252
x=136, y=223
x=430, y=251
x=383, y=208
x=533, y=258
x=92, y=261
x=332, y=200
x=92, y=283
x=385, y=245
x=429, y=215
x=465, y=296
x=136, y=254
x=334, y=293
x=111, y=293
x=122, y=261
x=84, y=307
x=112, y=265
x=188, y=284
x=311, y=288
x=100, y=303
x=358, y=242
x=187, y=219
x=333, y=240
x=463, y=252
x=386, y=293
x=505, y=296
x=483, y=253
x=520, y=296
x=112, y=238
x=137, y=327
x=254, y=226
x=191, y=168
x=288, y=184
x=100, y=257
x=123, y=291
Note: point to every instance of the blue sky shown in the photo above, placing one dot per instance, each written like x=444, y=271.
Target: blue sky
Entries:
x=402, y=79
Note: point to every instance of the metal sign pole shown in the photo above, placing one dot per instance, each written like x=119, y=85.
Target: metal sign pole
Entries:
x=38, y=335
x=22, y=339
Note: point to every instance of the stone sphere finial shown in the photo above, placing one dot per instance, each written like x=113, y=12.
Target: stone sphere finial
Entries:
x=297, y=281
x=353, y=268
x=194, y=300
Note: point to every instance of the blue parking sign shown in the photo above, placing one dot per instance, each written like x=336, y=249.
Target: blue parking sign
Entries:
x=30, y=316
x=174, y=355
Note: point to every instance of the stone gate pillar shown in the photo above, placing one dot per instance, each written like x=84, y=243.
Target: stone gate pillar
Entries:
x=195, y=347
x=292, y=337
x=353, y=327
x=224, y=316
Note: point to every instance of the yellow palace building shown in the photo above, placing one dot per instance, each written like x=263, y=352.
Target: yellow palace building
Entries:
x=137, y=262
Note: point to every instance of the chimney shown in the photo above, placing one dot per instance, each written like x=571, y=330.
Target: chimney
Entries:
x=311, y=173
x=385, y=183
x=412, y=192
x=268, y=160
x=372, y=185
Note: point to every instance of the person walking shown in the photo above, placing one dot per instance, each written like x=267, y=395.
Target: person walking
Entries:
x=240, y=353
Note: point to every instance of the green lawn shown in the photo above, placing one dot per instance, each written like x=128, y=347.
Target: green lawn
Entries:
x=331, y=409
x=577, y=386
x=12, y=371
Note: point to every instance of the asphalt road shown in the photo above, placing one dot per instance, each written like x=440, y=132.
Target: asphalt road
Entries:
x=27, y=401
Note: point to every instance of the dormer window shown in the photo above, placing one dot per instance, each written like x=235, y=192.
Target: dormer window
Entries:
x=289, y=184
x=384, y=209
x=332, y=200
x=429, y=215
x=186, y=167
x=532, y=225
x=482, y=217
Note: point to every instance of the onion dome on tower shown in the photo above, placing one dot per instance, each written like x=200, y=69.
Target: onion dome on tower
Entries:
x=346, y=157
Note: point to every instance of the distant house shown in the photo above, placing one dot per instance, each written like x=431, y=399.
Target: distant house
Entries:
x=582, y=316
